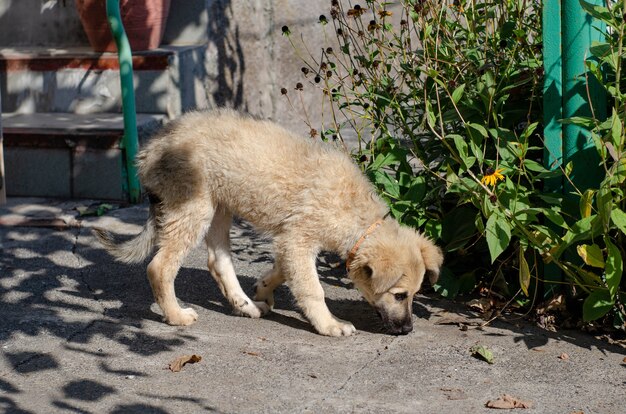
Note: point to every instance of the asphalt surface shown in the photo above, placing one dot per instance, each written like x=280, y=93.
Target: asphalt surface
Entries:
x=79, y=333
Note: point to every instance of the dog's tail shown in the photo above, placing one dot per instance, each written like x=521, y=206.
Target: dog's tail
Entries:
x=135, y=250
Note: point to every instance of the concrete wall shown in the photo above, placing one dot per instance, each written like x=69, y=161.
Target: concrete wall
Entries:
x=248, y=58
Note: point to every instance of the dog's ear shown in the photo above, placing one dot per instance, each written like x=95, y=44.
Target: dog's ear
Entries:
x=433, y=259
x=383, y=274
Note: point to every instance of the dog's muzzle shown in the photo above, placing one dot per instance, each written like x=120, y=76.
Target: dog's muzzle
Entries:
x=401, y=327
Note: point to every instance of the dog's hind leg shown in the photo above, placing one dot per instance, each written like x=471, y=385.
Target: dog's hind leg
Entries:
x=264, y=288
x=179, y=230
x=220, y=265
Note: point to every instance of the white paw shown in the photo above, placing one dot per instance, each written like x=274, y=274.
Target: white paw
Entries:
x=251, y=309
x=185, y=317
x=337, y=327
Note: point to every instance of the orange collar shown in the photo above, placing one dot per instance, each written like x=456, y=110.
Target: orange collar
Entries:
x=369, y=231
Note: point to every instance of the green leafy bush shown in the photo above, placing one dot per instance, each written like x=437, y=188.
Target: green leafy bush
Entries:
x=445, y=98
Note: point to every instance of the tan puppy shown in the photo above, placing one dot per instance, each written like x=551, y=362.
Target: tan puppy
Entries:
x=205, y=167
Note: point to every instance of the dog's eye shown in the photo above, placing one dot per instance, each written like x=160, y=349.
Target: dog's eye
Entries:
x=400, y=296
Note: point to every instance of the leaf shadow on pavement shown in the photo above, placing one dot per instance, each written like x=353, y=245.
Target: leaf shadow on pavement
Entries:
x=60, y=285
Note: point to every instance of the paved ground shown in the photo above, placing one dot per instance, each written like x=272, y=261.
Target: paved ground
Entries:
x=79, y=333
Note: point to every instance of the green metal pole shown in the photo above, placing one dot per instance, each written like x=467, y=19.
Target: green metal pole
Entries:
x=567, y=35
x=582, y=96
x=552, y=91
x=130, y=142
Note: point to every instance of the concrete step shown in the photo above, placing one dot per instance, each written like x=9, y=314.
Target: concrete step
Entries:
x=69, y=155
x=169, y=80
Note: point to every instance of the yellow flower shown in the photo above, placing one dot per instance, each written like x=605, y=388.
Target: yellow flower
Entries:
x=384, y=13
x=492, y=176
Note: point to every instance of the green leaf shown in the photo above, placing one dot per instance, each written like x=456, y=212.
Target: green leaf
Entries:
x=584, y=229
x=457, y=94
x=604, y=201
x=389, y=183
x=498, y=234
x=554, y=215
x=478, y=128
x=393, y=156
x=461, y=147
x=591, y=255
x=614, y=267
x=618, y=217
x=524, y=272
x=581, y=121
x=597, y=304
x=599, y=12
x=586, y=202
x=534, y=166
x=417, y=189
x=481, y=352
x=447, y=285
x=616, y=130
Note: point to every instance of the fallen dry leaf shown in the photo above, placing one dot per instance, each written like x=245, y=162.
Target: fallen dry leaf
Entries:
x=564, y=356
x=555, y=304
x=624, y=360
x=507, y=402
x=177, y=364
x=481, y=305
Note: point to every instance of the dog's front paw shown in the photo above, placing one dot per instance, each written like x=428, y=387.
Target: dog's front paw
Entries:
x=185, y=317
x=337, y=327
x=251, y=309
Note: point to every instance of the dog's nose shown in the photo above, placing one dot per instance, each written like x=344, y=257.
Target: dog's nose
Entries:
x=407, y=327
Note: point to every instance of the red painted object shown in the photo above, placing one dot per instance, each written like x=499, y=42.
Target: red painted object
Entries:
x=144, y=22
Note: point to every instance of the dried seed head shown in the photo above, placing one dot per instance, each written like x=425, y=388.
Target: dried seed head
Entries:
x=339, y=32
x=283, y=91
x=299, y=86
x=286, y=31
x=323, y=19
x=329, y=50
x=313, y=132
x=305, y=71
x=317, y=79
x=329, y=74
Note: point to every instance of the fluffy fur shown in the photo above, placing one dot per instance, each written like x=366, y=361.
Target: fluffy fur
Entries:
x=205, y=167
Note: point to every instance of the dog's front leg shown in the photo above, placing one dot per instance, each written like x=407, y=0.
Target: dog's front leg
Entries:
x=302, y=279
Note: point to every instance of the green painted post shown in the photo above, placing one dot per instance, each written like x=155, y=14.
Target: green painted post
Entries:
x=582, y=96
x=552, y=91
x=567, y=35
x=130, y=142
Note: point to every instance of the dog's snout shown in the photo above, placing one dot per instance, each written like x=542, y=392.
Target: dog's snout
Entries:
x=407, y=327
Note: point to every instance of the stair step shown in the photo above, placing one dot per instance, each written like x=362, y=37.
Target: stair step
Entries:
x=69, y=155
x=169, y=80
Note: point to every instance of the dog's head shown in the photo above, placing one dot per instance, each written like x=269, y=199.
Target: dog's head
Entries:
x=389, y=267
